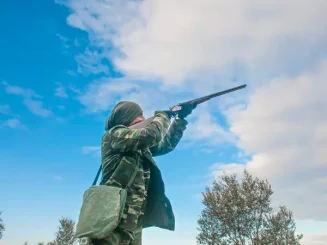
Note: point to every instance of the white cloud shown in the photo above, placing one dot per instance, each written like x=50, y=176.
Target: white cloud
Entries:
x=31, y=100
x=205, y=127
x=175, y=40
x=219, y=169
x=285, y=131
x=100, y=94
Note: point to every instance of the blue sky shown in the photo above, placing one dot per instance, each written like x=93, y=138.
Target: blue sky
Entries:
x=65, y=63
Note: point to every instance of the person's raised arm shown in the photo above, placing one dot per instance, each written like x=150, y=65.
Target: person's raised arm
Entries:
x=124, y=139
x=171, y=139
x=175, y=133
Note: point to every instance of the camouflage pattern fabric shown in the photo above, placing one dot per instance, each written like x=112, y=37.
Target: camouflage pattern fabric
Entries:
x=136, y=198
x=120, y=237
x=120, y=144
x=171, y=139
x=121, y=147
x=123, y=139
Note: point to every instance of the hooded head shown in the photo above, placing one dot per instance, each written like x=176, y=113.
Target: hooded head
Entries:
x=123, y=113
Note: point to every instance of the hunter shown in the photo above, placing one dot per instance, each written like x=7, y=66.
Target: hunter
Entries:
x=122, y=150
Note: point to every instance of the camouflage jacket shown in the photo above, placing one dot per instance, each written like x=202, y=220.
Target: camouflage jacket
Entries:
x=123, y=149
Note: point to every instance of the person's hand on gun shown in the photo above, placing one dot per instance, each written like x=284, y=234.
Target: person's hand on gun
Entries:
x=186, y=110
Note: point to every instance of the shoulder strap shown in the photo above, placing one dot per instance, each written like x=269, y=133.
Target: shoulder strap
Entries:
x=131, y=179
x=97, y=176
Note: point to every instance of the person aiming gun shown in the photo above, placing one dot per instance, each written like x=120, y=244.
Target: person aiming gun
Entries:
x=129, y=144
x=147, y=204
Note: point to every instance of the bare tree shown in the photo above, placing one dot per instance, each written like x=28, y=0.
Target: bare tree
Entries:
x=240, y=214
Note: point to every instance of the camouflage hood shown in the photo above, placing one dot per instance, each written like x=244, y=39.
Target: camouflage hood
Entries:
x=123, y=114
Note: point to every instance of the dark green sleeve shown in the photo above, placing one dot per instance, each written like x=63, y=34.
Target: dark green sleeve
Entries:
x=171, y=139
x=123, y=139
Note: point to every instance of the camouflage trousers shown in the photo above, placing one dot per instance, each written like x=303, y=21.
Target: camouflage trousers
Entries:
x=121, y=237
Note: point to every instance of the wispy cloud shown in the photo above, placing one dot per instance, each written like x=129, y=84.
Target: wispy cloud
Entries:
x=5, y=109
x=60, y=1
x=15, y=90
x=61, y=37
x=61, y=91
x=71, y=73
x=14, y=123
x=91, y=63
x=37, y=107
x=64, y=40
x=31, y=100
x=94, y=150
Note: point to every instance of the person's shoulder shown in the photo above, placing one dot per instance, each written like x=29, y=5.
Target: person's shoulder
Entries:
x=116, y=129
x=114, y=133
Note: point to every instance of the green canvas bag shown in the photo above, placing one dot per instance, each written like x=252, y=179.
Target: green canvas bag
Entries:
x=102, y=209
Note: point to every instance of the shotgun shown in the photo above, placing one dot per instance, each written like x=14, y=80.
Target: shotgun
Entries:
x=177, y=108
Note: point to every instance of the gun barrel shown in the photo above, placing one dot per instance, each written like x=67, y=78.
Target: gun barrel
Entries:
x=227, y=91
x=210, y=96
